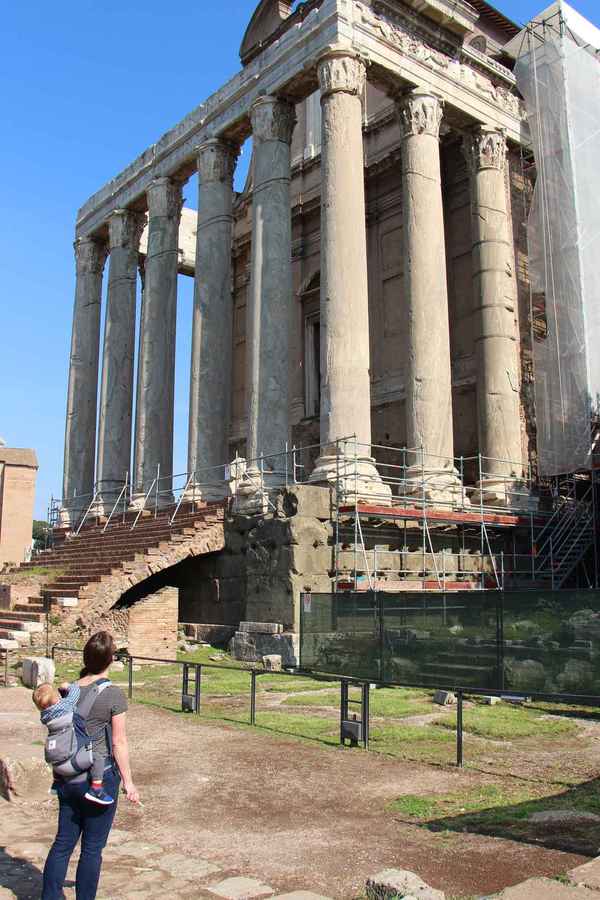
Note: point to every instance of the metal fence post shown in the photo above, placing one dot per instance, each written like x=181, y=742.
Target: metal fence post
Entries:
x=198, y=688
x=365, y=714
x=459, y=729
x=130, y=676
x=253, y=697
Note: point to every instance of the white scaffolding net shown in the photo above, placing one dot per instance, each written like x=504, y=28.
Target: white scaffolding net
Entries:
x=558, y=74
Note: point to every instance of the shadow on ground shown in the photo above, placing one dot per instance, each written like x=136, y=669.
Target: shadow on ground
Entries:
x=19, y=876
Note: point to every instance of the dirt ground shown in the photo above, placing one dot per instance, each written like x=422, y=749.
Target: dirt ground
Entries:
x=291, y=814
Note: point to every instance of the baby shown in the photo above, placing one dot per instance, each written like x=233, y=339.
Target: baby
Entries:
x=61, y=704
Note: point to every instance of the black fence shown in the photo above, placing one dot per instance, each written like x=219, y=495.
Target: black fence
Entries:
x=526, y=642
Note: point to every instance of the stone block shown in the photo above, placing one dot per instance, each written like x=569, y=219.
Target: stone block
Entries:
x=272, y=663
x=491, y=701
x=546, y=889
x=587, y=875
x=260, y=627
x=444, y=698
x=394, y=884
x=7, y=644
x=251, y=647
x=241, y=889
x=37, y=670
x=67, y=602
x=307, y=500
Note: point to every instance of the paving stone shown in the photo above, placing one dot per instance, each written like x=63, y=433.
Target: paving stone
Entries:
x=546, y=889
x=301, y=895
x=180, y=866
x=394, y=883
x=241, y=889
x=587, y=875
x=139, y=850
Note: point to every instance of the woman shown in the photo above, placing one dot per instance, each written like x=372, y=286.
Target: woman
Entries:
x=78, y=817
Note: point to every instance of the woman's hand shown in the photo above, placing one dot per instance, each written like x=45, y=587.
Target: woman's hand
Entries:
x=131, y=792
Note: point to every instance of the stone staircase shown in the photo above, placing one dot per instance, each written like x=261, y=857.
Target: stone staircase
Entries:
x=97, y=566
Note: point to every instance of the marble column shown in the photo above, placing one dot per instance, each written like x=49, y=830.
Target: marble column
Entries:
x=270, y=294
x=210, y=378
x=497, y=350
x=116, y=395
x=345, y=353
x=429, y=425
x=156, y=362
x=80, y=430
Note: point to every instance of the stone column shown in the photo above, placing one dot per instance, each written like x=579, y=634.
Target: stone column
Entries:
x=497, y=354
x=80, y=430
x=429, y=425
x=345, y=355
x=116, y=397
x=156, y=363
x=210, y=378
x=270, y=294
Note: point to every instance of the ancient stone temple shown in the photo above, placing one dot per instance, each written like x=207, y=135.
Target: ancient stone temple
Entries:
x=370, y=281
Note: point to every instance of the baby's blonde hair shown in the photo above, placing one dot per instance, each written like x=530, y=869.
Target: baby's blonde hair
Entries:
x=45, y=695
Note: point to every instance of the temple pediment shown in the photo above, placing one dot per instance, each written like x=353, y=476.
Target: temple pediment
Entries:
x=268, y=16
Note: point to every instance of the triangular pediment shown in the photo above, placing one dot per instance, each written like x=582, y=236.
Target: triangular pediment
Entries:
x=268, y=16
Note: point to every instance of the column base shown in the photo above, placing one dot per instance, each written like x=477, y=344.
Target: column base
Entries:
x=207, y=492
x=504, y=491
x=441, y=486
x=140, y=501
x=354, y=478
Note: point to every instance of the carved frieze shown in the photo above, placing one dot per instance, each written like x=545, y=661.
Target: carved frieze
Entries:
x=125, y=228
x=216, y=161
x=404, y=38
x=165, y=198
x=90, y=256
x=273, y=119
x=341, y=72
x=485, y=148
x=420, y=113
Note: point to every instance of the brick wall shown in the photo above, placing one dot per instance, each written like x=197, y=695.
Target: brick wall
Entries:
x=153, y=625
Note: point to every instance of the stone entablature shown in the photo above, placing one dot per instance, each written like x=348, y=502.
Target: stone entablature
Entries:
x=392, y=47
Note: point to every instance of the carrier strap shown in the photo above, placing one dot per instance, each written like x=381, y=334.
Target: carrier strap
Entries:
x=84, y=707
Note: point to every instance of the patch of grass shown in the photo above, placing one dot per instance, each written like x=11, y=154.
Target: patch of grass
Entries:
x=287, y=684
x=387, y=702
x=504, y=722
x=38, y=572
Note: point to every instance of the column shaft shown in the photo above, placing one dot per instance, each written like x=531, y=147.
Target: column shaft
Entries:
x=345, y=351
x=156, y=366
x=270, y=296
x=116, y=398
x=210, y=378
x=80, y=430
x=497, y=356
x=428, y=372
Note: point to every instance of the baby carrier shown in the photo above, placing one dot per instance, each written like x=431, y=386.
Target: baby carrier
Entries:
x=68, y=746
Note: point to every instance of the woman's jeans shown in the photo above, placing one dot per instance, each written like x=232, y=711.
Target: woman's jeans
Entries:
x=78, y=817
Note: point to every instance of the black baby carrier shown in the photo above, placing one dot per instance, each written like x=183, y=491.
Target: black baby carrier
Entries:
x=68, y=747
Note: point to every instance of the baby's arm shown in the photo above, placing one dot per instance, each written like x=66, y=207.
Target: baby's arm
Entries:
x=72, y=695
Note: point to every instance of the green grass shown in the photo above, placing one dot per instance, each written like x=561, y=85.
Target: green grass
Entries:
x=39, y=572
x=504, y=722
x=387, y=702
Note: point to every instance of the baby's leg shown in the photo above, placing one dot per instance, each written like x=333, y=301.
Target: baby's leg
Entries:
x=97, y=770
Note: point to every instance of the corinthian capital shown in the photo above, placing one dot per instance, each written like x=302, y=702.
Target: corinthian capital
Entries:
x=419, y=113
x=272, y=119
x=125, y=228
x=485, y=148
x=164, y=198
x=216, y=161
x=90, y=256
x=339, y=71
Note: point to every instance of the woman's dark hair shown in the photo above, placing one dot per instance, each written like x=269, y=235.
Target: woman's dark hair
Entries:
x=98, y=653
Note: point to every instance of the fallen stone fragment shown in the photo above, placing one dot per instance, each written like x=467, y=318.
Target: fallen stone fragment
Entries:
x=272, y=663
x=558, y=816
x=444, y=698
x=180, y=866
x=241, y=889
x=37, y=670
x=400, y=884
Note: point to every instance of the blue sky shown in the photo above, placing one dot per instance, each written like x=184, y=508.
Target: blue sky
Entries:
x=86, y=86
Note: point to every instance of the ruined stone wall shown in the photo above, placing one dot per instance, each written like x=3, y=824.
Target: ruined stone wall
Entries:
x=17, y=495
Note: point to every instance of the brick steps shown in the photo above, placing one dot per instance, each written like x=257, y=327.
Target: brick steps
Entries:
x=94, y=556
